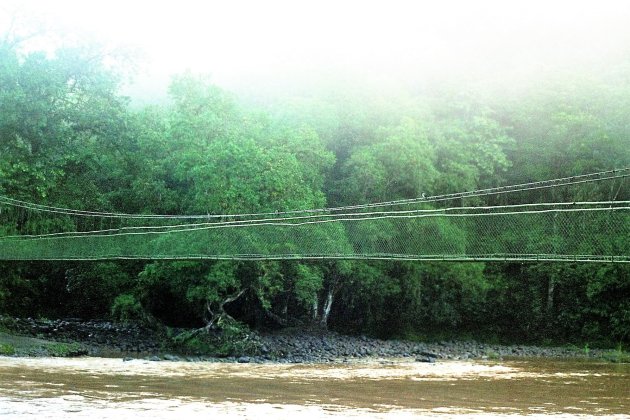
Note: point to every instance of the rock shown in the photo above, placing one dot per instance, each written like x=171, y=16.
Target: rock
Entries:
x=425, y=359
x=243, y=359
x=428, y=354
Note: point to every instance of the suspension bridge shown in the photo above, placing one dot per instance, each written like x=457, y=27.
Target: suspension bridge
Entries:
x=440, y=227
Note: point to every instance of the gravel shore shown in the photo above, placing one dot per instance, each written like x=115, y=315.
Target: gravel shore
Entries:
x=104, y=338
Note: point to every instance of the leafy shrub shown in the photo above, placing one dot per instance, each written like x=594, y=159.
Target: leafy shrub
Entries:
x=65, y=349
x=6, y=349
x=126, y=308
x=230, y=338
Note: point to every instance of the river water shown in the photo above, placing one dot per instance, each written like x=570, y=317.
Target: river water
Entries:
x=112, y=388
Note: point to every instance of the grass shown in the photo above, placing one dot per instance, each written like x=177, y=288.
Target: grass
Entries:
x=6, y=349
x=15, y=345
x=619, y=355
x=65, y=349
x=492, y=355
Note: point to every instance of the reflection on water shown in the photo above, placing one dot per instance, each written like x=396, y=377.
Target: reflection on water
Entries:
x=92, y=388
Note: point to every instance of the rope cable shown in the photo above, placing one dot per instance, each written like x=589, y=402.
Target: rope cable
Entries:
x=354, y=216
x=197, y=227
x=549, y=231
x=558, y=182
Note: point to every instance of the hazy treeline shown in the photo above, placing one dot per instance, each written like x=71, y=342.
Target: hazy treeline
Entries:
x=69, y=139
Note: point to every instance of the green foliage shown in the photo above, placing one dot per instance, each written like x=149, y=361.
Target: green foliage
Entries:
x=65, y=349
x=231, y=338
x=6, y=349
x=32, y=289
x=215, y=285
x=67, y=138
x=93, y=287
x=48, y=107
x=471, y=149
x=163, y=289
x=399, y=166
x=14, y=292
x=127, y=308
x=619, y=355
x=309, y=281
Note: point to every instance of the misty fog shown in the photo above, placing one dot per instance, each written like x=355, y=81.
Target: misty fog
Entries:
x=281, y=48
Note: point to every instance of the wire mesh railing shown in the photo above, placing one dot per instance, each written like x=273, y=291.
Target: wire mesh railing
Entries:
x=587, y=231
x=403, y=229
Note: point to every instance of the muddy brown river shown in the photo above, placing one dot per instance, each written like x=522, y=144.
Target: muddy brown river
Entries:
x=112, y=388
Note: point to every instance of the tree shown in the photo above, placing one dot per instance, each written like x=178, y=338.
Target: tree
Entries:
x=399, y=166
x=55, y=111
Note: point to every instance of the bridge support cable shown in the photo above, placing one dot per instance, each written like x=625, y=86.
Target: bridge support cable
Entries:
x=550, y=232
x=428, y=228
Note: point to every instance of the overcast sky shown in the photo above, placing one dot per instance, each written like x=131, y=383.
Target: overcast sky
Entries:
x=241, y=42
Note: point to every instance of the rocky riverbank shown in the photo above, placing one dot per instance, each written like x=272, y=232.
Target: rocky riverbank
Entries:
x=104, y=338
x=94, y=337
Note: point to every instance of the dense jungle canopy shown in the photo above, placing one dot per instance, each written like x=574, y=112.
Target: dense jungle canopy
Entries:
x=70, y=138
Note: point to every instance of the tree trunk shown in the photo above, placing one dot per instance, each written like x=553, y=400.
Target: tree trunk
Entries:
x=315, y=308
x=323, y=321
x=220, y=313
x=282, y=321
x=551, y=286
x=550, y=289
